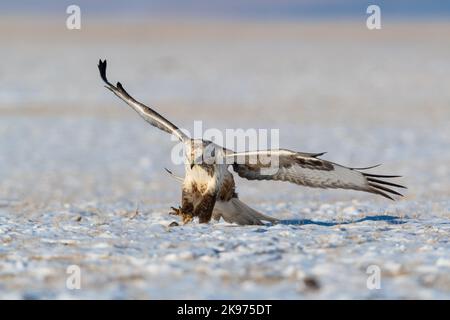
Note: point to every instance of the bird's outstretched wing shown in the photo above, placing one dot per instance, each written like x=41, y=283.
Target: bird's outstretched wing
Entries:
x=151, y=116
x=308, y=170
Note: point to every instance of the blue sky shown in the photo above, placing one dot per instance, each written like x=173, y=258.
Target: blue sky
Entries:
x=262, y=9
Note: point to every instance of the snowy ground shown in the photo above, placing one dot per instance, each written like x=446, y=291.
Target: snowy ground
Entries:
x=82, y=178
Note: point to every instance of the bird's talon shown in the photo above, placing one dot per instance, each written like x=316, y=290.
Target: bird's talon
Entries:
x=175, y=211
x=185, y=217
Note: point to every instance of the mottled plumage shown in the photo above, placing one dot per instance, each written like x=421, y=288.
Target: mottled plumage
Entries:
x=209, y=189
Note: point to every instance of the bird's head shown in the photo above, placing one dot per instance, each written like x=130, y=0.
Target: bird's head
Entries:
x=201, y=152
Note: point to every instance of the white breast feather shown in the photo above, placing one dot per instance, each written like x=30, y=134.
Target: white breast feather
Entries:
x=198, y=175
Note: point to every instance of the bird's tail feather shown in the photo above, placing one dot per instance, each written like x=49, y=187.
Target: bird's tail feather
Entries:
x=236, y=211
x=174, y=175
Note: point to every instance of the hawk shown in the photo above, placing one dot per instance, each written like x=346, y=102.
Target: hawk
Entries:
x=208, y=188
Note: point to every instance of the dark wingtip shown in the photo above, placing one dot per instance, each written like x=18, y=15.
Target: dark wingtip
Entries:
x=381, y=193
x=120, y=88
x=102, y=68
x=382, y=188
x=385, y=182
x=367, y=168
x=380, y=175
x=319, y=154
x=378, y=186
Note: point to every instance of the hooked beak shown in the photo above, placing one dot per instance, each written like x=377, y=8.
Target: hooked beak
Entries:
x=192, y=165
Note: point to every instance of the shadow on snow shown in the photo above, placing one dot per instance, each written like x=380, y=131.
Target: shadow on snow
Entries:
x=388, y=219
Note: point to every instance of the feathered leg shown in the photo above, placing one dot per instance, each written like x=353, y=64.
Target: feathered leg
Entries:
x=204, y=209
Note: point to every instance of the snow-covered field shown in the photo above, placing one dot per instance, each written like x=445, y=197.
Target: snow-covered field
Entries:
x=82, y=178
